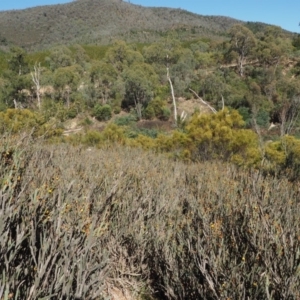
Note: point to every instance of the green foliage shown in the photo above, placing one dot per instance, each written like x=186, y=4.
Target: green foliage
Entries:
x=102, y=22
x=79, y=55
x=125, y=120
x=245, y=113
x=16, y=120
x=135, y=132
x=114, y=134
x=67, y=76
x=3, y=62
x=139, y=84
x=121, y=56
x=263, y=118
x=222, y=136
x=92, y=138
x=242, y=45
x=102, y=112
x=104, y=79
x=273, y=45
x=58, y=111
x=18, y=61
x=149, y=112
x=96, y=52
x=66, y=80
x=157, y=108
x=132, y=76
x=296, y=41
x=283, y=157
x=166, y=113
x=39, y=57
x=60, y=57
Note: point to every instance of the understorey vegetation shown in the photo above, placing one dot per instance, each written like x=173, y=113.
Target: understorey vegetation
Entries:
x=78, y=223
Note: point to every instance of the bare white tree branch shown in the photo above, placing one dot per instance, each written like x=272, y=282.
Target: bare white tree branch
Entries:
x=204, y=102
x=36, y=78
x=173, y=96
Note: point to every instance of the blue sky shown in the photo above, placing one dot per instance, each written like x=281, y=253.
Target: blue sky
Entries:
x=284, y=13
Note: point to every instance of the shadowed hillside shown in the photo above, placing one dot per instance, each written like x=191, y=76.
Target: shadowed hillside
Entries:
x=90, y=21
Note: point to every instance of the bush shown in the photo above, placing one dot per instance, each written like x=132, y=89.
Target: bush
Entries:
x=68, y=222
x=125, y=120
x=283, y=157
x=117, y=110
x=157, y=108
x=152, y=133
x=263, y=118
x=149, y=113
x=102, y=112
x=165, y=114
x=246, y=114
x=222, y=136
x=15, y=120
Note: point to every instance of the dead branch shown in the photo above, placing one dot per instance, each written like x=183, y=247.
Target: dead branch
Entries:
x=204, y=102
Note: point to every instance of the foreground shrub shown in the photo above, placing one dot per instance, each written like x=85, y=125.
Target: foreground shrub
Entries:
x=75, y=224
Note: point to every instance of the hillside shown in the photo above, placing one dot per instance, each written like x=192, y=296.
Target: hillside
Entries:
x=100, y=21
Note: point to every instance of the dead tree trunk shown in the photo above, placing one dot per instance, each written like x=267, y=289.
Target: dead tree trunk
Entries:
x=36, y=78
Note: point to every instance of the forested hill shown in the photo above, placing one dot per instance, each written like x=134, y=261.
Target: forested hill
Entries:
x=100, y=21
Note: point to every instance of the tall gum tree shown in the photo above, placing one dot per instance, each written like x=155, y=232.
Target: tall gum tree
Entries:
x=242, y=43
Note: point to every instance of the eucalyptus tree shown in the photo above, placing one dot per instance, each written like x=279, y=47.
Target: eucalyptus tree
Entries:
x=242, y=44
x=60, y=56
x=103, y=77
x=66, y=81
x=140, y=81
x=286, y=99
x=121, y=56
x=273, y=47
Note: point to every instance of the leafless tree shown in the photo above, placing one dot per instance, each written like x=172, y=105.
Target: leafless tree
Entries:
x=36, y=78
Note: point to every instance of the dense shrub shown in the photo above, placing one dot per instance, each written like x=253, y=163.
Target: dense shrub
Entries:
x=15, y=120
x=283, y=157
x=102, y=112
x=125, y=120
x=218, y=136
x=76, y=224
x=157, y=108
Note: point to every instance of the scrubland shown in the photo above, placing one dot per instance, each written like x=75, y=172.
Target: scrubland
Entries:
x=78, y=222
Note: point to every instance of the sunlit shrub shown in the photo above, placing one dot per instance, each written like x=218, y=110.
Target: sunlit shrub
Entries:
x=15, y=120
x=114, y=133
x=222, y=136
x=283, y=156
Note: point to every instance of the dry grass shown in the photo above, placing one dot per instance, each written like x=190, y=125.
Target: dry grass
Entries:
x=78, y=224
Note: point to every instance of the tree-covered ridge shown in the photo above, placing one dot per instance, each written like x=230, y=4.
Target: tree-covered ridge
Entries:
x=101, y=21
